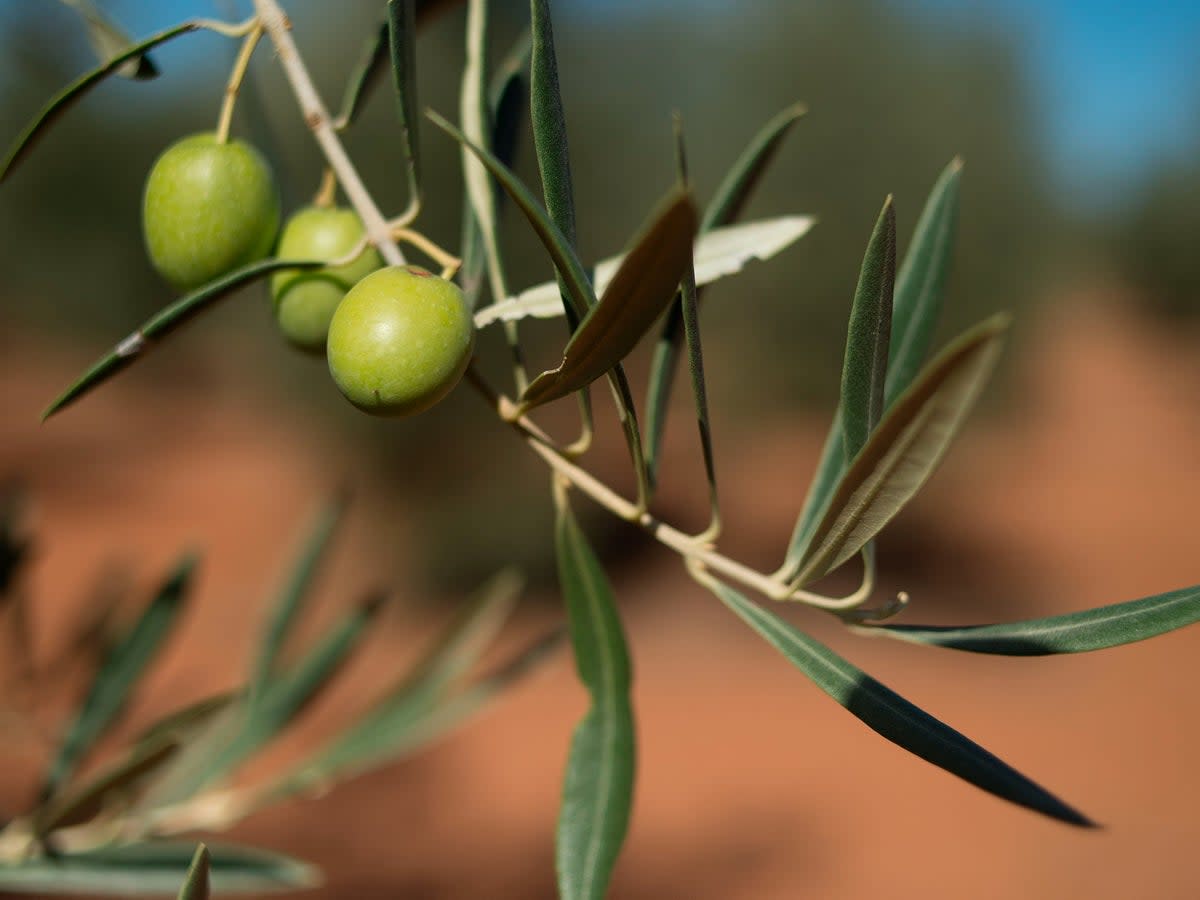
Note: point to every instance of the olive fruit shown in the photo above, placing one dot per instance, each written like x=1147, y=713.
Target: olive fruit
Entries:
x=305, y=299
x=208, y=208
x=399, y=341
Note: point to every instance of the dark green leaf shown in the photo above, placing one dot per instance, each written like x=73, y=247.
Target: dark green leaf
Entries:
x=365, y=76
x=167, y=321
x=155, y=869
x=108, y=39
x=1078, y=632
x=295, y=592
x=921, y=282
x=195, y=886
x=550, y=129
x=870, y=332
x=119, y=673
x=829, y=472
x=598, y=788
x=905, y=449
x=560, y=252
x=76, y=90
x=890, y=715
x=637, y=295
x=402, y=41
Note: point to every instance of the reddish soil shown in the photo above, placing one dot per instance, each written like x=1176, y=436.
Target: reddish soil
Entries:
x=752, y=784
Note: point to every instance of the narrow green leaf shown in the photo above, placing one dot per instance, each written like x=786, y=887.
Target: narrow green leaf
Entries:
x=743, y=176
x=869, y=335
x=637, y=295
x=717, y=254
x=296, y=591
x=565, y=261
x=550, y=125
x=402, y=43
x=905, y=449
x=119, y=673
x=108, y=39
x=1078, y=632
x=74, y=806
x=75, y=91
x=167, y=321
x=598, y=788
x=195, y=886
x=830, y=469
x=365, y=76
x=893, y=717
x=183, y=725
x=155, y=869
x=921, y=282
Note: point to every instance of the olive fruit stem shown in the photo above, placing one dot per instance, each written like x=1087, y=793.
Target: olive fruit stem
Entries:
x=327, y=191
x=234, y=30
x=448, y=261
x=316, y=114
x=236, y=77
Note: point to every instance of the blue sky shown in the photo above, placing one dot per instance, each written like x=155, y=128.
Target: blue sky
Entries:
x=1117, y=83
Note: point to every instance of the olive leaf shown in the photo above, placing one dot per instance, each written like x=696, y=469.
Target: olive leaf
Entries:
x=1078, y=632
x=155, y=869
x=108, y=39
x=893, y=717
x=598, y=787
x=119, y=673
x=904, y=450
x=75, y=91
x=717, y=254
x=637, y=295
x=402, y=44
x=364, y=76
x=166, y=322
x=195, y=885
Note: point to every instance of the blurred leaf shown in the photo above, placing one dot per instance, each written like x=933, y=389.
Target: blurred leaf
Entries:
x=167, y=321
x=365, y=76
x=921, y=281
x=402, y=42
x=637, y=295
x=295, y=592
x=560, y=252
x=250, y=728
x=869, y=335
x=396, y=723
x=14, y=544
x=598, y=788
x=890, y=715
x=905, y=449
x=155, y=869
x=119, y=673
x=721, y=252
x=82, y=804
x=75, y=91
x=1078, y=632
x=195, y=886
x=109, y=40
x=182, y=725
x=743, y=176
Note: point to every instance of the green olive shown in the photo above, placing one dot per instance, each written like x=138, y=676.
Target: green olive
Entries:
x=305, y=300
x=209, y=207
x=399, y=341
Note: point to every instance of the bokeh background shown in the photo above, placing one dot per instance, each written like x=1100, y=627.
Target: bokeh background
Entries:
x=1080, y=128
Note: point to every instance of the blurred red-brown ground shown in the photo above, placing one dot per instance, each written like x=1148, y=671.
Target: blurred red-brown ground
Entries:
x=752, y=784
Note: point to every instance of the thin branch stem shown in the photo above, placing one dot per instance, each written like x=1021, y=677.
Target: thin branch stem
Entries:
x=236, y=77
x=448, y=261
x=316, y=114
x=326, y=194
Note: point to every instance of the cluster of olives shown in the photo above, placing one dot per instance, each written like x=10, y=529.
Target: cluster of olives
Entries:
x=397, y=339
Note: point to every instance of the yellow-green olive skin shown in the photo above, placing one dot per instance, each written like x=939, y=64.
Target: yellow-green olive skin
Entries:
x=304, y=300
x=208, y=208
x=399, y=341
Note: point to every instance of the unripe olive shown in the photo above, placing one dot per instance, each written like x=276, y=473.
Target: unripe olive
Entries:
x=209, y=207
x=400, y=340
x=305, y=299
